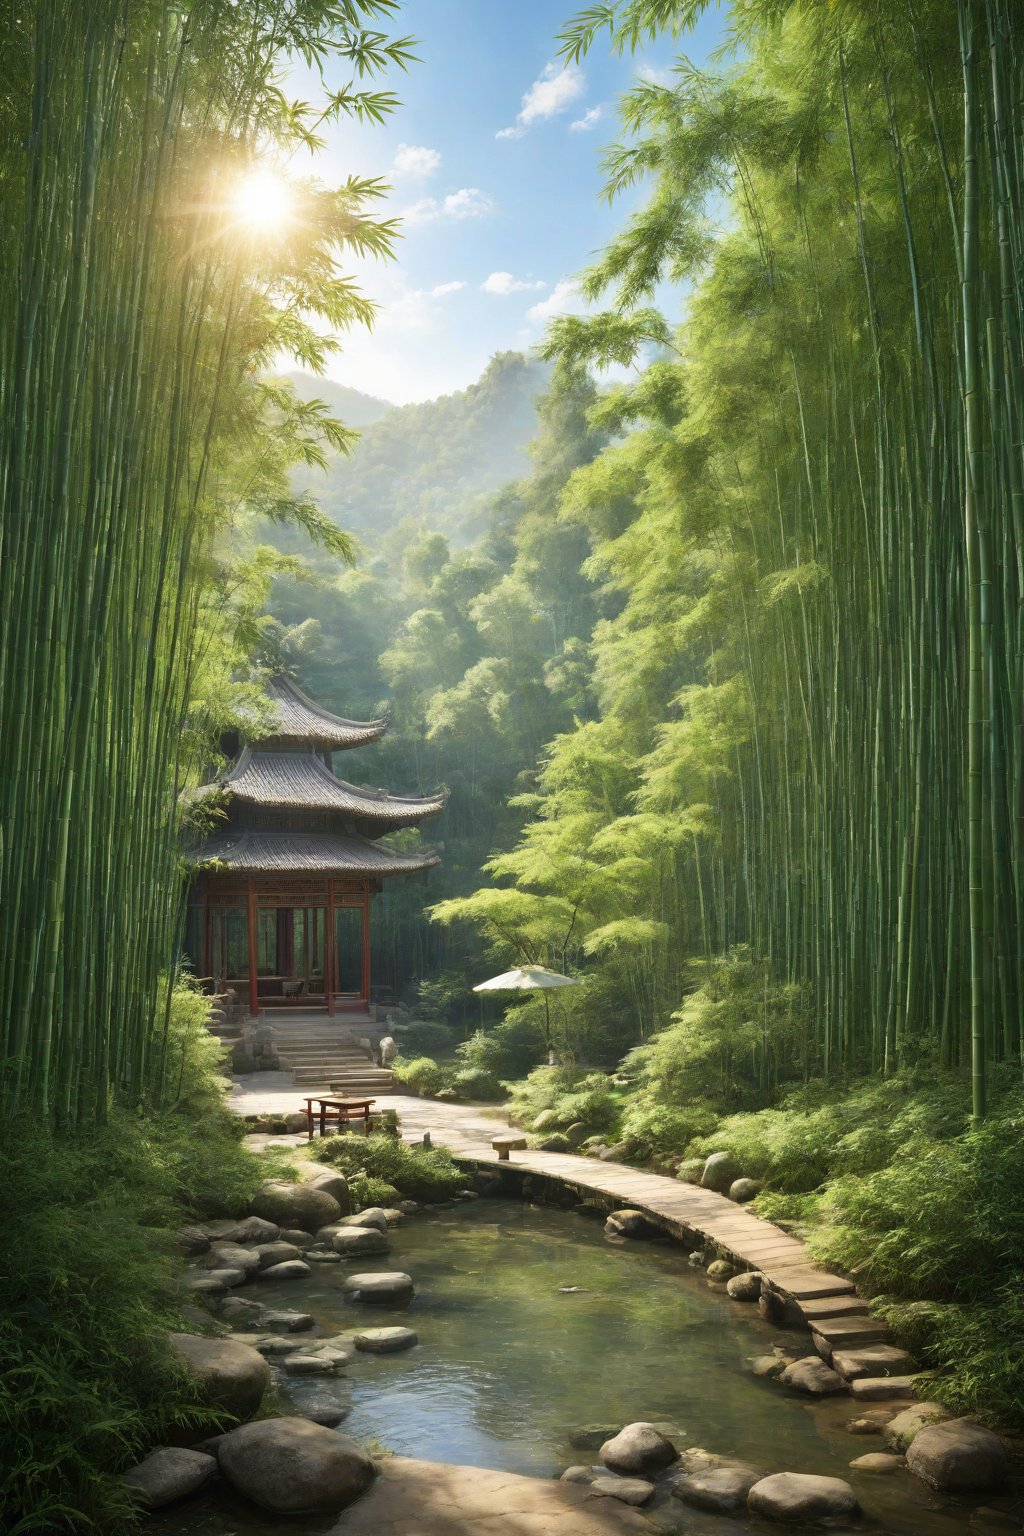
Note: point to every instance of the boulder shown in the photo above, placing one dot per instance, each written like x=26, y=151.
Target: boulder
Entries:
x=547, y=1120
x=289, y=1322
x=253, y=1230
x=379, y=1286
x=556, y=1142
x=167, y=1474
x=638, y=1448
x=239, y=1313
x=277, y=1253
x=719, y=1172
x=745, y=1287
x=877, y=1461
x=228, y=1277
x=577, y=1475
x=799, y=1497
x=616, y=1154
x=296, y=1237
x=743, y=1190
x=323, y=1364
x=275, y=1346
x=296, y=1120
x=813, y=1376
x=591, y=1437
x=721, y=1269
x=232, y=1256
x=628, y=1490
x=576, y=1134
x=958, y=1456
x=334, y=1184
x=629, y=1223
x=193, y=1241
x=902, y=1430
x=293, y=1466
x=291, y=1269
x=385, y=1341
x=771, y=1366
x=871, y=1360
x=373, y=1216
x=719, y=1488
x=330, y=1418
x=295, y=1205
x=873, y=1389
x=357, y=1240
x=207, y=1285
x=316, y=1256
x=231, y=1376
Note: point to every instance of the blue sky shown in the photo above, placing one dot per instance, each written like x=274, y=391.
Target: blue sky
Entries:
x=494, y=157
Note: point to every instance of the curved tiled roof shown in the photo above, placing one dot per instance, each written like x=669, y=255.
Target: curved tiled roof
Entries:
x=323, y=853
x=301, y=781
x=302, y=723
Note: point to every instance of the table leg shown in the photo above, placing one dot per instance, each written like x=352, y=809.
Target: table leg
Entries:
x=323, y=1120
x=309, y=1119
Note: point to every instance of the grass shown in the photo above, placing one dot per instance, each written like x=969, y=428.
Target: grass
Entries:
x=381, y=1168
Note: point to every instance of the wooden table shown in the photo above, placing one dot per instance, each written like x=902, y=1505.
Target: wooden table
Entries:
x=337, y=1112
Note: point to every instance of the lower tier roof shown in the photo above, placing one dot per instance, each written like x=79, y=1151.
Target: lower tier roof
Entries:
x=303, y=853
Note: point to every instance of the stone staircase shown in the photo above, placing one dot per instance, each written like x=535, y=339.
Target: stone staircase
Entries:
x=324, y=1053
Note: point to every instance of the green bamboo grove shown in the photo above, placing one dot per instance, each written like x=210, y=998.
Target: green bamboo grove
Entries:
x=809, y=737
x=138, y=314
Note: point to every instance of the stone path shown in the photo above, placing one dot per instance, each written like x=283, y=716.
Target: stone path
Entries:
x=827, y=1303
x=428, y=1498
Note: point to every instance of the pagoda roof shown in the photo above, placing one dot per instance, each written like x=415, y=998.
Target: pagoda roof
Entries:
x=322, y=853
x=301, y=781
x=301, y=723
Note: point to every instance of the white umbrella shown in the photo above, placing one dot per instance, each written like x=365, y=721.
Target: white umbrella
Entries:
x=530, y=978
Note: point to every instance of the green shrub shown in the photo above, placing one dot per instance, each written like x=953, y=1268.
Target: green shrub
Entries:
x=89, y=1277
x=425, y=1037
x=570, y=1093
x=420, y=1075
x=415, y=1173
x=506, y=1051
x=475, y=1083
x=665, y=1128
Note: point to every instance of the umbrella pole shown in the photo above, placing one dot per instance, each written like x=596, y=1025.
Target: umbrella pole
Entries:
x=547, y=1030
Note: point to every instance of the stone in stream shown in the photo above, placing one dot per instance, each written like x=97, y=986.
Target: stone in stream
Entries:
x=591, y=1437
x=719, y=1172
x=771, y=1366
x=357, y=1240
x=325, y=1363
x=293, y=1466
x=721, y=1269
x=871, y=1360
x=276, y=1346
x=277, y=1253
x=231, y=1376
x=314, y=1256
x=168, y=1473
x=295, y=1236
x=799, y=1497
x=207, y=1285
x=192, y=1241
x=291, y=1269
x=385, y=1341
x=719, y=1488
x=628, y=1490
x=335, y=1184
x=958, y=1456
x=873, y=1389
x=379, y=1286
x=290, y=1322
x=237, y=1312
x=330, y=1418
x=812, y=1376
x=229, y=1278
x=878, y=1461
x=638, y=1448
x=373, y=1216
x=232, y=1256
x=745, y=1287
x=295, y=1205
x=899, y=1432
x=742, y=1190
x=579, y=1474
x=253, y=1230
x=629, y=1223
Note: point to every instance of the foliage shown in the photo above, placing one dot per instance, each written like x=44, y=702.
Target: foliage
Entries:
x=417, y=1173
x=90, y=1283
x=476, y=1083
x=570, y=1095
x=420, y=1075
x=424, y=1036
x=507, y=1050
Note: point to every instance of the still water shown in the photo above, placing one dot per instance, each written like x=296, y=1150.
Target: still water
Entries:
x=510, y=1369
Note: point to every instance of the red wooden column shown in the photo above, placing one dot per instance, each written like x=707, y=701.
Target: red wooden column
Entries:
x=366, y=942
x=208, y=967
x=254, y=950
x=330, y=949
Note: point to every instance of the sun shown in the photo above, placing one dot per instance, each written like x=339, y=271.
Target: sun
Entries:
x=263, y=200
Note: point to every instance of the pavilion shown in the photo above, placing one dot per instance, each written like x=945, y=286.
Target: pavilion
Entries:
x=279, y=907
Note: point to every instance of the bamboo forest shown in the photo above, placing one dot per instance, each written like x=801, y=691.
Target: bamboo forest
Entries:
x=512, y=788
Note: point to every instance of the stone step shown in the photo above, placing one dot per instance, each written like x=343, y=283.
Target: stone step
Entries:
x=875, y=1389
x=835, y=1332
x=833, y=1306
x=872, y=1360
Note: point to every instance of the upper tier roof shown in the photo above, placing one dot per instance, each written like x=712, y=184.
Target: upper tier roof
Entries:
x=301, y=723
x=301, y=781
x=322, y=853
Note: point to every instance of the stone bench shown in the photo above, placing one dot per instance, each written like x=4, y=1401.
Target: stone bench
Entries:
x=503, y=1145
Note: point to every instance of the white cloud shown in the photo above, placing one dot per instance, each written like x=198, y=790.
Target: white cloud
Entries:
x=655, y=76
x=504, y=283
x=590, y=119
x=466, y=203
x=562, y=298
x=443, y=289
x=415, y=160
x=553, y=90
